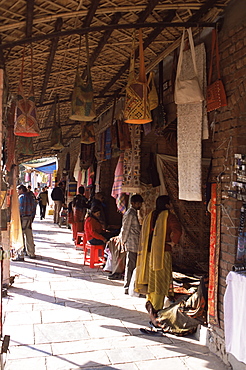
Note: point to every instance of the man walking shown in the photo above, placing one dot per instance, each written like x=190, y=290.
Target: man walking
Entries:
x=57, y=195
x=27, y=207
x=129, y=236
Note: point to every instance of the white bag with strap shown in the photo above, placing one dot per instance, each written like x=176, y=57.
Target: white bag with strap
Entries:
x=187, y=90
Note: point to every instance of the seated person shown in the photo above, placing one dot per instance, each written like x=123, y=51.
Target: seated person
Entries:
x=94, y=232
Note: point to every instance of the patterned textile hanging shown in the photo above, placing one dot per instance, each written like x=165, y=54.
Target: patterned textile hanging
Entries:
x=82, y=104
x=26, y=123
x=137, y=109
x=56, y=141
x=131, y=180
x=10, y=138
x=25, y=145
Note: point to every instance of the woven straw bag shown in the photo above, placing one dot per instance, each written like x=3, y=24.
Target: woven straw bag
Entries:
x=137, y=110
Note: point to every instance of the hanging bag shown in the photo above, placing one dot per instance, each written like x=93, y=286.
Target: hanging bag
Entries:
x=56, y=141
x=26, y=112
x=137, y=110
x=216, y=96
x=87, y=133
x=187, y=90
x=82, y=104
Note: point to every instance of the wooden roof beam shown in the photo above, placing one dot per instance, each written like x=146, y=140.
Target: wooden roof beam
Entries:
x=54, y=44
x=91, y=13
x=29, y=17
x=102, y=42
x=152, y=36
x=120, y=26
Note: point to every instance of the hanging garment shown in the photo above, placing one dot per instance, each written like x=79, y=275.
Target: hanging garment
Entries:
x=137, y=109
x=87, y=133
x=56, y=141
x=26, y=123
x=108, y=141
x=16, y=238
x=24, y=145
x=131, y=173
x=11, y=139
x=82, y=104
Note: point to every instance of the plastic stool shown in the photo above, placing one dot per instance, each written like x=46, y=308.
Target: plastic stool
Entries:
x=93, y=257
x=80, y=240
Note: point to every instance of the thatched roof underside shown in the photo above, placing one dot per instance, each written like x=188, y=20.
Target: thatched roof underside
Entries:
x=53, y=30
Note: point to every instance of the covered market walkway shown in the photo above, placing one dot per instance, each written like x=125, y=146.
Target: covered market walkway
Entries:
x=62, y=315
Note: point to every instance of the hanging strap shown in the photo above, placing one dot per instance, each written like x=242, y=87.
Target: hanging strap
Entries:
x=80, y=40
x=216, y=47
x=161, y=82
x=192, y=49
x=142, y=74
x=132, y=59
x=22, y=65
x=87, y=55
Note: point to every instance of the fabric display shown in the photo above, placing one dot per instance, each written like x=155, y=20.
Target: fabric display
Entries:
x=11, y=139
x=216, y=96
x=131, y=170
x=115, y=146
x=195, y=223
x=24, y=145
x=124, y=135
x=16, y=238
x=192, y=128
x=213, y=258
x=26, y=123
x=108, y=142
x=100, y=147
x=87, y=153
x=158, y=114
x=56, y=141
x=117, y=185
x=87, y=133
x=82, y=104
x=241, y=243
x=153, y=96
x=137, y=109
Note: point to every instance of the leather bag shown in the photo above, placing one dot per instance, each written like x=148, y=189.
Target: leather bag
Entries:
x=216, y=96
x=137, y=109
x=82, y=104
x=187, y=90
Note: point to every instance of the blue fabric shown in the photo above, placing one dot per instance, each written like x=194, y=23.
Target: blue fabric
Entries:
x=95, y=241
x=49, y=168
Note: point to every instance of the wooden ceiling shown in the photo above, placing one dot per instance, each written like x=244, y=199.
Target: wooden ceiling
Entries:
x=53, y=30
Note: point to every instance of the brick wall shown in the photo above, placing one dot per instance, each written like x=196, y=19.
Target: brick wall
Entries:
x=229, y=138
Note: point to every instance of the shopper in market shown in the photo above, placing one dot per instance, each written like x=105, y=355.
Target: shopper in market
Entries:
x=160, y=231
x=79, y=208
x=57, y=195
x=129, y=238
x=27, y=206
x=43, y=201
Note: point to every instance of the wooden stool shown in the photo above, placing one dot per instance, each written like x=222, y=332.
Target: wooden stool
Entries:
x=93, y=257
x=80, y=240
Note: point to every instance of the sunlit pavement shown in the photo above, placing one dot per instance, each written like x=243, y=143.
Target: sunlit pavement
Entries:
x=62, y=315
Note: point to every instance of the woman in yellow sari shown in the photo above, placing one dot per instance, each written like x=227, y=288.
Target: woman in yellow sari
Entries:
x=160, y=230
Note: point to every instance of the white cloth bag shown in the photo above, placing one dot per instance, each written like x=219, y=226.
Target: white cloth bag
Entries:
x=189, y=90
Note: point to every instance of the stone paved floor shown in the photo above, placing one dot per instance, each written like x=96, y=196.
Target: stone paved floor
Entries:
x=62, y=315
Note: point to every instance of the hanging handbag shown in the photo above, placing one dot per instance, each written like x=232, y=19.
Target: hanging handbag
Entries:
x=82, y=104
x=137, y=110
x=153, y=96
x=187, y=90
x=216, y=96
x=26, y=112
x=56, y=141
